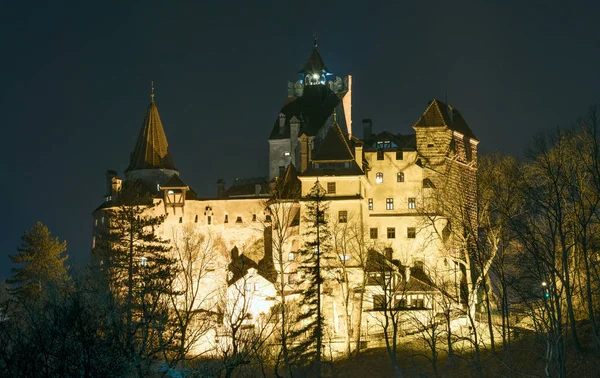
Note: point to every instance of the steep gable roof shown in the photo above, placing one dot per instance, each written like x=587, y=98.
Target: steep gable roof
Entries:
x=334, y=146
x=152, y=149
x=441, y=114
x=312, y=109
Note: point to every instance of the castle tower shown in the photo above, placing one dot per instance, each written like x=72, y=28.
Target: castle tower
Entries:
x=308, y=111
x=151, y=161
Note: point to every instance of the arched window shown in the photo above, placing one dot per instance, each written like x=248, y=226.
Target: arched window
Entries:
x=400, y=177
x=379, y=177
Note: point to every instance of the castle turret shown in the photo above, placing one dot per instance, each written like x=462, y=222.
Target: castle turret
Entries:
x=151, y=162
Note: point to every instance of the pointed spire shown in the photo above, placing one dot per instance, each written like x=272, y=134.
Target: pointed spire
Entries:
x=314, y=65
x=151, y=149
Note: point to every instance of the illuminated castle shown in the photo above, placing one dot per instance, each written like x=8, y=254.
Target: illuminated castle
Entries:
x=377, y=183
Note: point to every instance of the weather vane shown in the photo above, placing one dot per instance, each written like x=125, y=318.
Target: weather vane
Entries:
x=152, y=93
x=315, y=37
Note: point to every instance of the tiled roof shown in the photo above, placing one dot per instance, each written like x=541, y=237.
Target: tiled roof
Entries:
x=314, y=64
x=312, y=109
x=402, y=141
x=334, y=146
x=288, y=186
x=247, y=188
x=151, y=150
x=440, y=114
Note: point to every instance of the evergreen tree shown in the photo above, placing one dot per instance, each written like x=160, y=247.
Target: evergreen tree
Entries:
x=316, y=246
x=42, y=264
x=140, y=271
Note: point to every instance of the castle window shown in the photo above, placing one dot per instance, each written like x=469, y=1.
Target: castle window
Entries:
x=430, y=145
x=238, y=220
x=292, y=278
x=226, y=218
x=400, y=177
x=345, y=257
x=291, y=256
x=144, y=261
x=209, y=219
x=389, y=204
x=196, y=219
x=268, y=218
x=373, y=233
x=94, y=242
x=380, y=154
x=253, y=217
x=379, y=177
x=96, y=222
x=286, y=153
x=343, y=216
x=411, y=232
x=370, y=203
x=180, y=219
x=331, y=187
x=399, y=155
x=412, y=203
x=391, y=232
x=281, y=170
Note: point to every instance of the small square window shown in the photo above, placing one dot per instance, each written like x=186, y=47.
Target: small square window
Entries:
x=373, y=233
x=238, y=220
x=343, y=216
x=400, y=177
x=253, y=217
x=412, y=203
x=331, y=187
x=391, y=233
x=399, y=155
x=370, y=203
x=380, y=154
x=291, y=256
x=411, y=232
x=389, y=204
x=379, y=177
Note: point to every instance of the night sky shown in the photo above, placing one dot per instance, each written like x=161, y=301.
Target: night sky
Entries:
x=75, y=85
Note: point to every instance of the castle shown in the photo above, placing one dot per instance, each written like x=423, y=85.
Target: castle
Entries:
x=375, y=189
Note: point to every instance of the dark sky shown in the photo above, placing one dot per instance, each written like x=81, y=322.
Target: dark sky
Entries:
x=75, y=84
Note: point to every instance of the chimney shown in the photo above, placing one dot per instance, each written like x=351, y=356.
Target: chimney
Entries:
x=358, y=154
x=220, y=188
x=281, y=123
x=110, y=174
x=407, y=273
x=305, y=152
x=367, y=129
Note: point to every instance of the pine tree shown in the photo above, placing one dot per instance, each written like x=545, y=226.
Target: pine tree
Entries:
x=140, y=271
x=316, y=247
x=42, y=258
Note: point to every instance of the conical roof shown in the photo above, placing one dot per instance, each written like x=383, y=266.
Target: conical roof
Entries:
x=441, y=114
x=314, y=64
x=152, y=149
